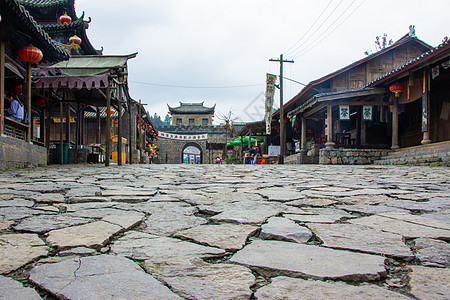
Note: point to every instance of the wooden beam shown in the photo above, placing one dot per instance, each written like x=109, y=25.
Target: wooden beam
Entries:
x=2, y=82
x=108, y=126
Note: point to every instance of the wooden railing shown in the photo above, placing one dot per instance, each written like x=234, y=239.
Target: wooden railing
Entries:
x=15, y=129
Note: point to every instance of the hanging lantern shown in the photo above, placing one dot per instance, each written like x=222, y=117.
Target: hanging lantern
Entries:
x=40, y=102
x=37, y=122
x=111, y=111
x=397, y=89
x=75, y=40
x=65, y=19
x=137, y=116
x=116, y=122
x=18, y=89
x=30, y=54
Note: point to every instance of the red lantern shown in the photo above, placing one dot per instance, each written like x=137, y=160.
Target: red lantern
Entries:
x=30, y=54
x=397, y=89
x=37, y=122
x=40, y=102
x=65, y=19
x=116, y=122
x=18, y=89
x=137, y=116
x=111, y=111
x=75, y=40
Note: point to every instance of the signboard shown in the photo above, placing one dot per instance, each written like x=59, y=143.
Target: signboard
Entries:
x=182, y=137
x=367, y=113
x=274, y=150
x=344, y=112
x=270, y=92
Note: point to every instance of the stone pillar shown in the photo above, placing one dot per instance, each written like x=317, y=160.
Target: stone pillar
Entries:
x=330, y=144
x=395, y=125
x=2, y=82
x=303, y=150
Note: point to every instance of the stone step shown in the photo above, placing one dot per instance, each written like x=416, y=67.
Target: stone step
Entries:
x=418, y=155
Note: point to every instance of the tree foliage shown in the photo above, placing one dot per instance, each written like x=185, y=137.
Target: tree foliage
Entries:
x=158, y=122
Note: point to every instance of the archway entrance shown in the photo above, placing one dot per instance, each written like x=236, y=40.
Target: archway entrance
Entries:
x=192, y=154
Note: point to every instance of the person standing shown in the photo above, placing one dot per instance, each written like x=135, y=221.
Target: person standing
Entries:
x=16, y=109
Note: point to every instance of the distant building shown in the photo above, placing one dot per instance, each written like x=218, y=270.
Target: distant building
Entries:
x=192, y=138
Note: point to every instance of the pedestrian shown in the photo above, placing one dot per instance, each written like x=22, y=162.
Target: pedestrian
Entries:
x=16, y=109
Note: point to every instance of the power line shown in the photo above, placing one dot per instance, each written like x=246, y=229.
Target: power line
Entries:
x=320, y=26
x=197, y=87
x=309, y=29
x=304, y=52
x=324, y=32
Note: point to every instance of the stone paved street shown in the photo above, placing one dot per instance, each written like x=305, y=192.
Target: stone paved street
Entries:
x=225, y=232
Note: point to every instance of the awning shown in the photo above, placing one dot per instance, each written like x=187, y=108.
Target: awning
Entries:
x=237, y=142
x=81, y=72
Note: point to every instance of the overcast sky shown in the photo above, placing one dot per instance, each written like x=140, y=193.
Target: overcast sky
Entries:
x=218, y=51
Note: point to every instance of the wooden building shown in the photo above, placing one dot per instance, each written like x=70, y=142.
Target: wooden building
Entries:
x=192, y=114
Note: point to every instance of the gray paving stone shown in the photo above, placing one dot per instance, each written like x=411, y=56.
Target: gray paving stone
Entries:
x=283, y=229
x=407, y=225
x=224, y=236
x=99, y=277
x=44, y=223
x=248, y=213
x=92, y=235
x=432, y=252
x=284, y=258
x=361, y=238
x=430, y=283
x=17, y=250
x=11, y=289
x=295, y=288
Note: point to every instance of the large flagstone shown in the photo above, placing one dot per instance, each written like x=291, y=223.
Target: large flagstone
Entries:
x=13, y=290
x=17, y=250
x=295, y=288
x=99, y=277
x=311, y=261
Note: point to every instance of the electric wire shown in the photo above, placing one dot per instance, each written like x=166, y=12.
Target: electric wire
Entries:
x=296, y=54
x=197, y=87
x=317, y=29
x=309, y=29
x=306, y=51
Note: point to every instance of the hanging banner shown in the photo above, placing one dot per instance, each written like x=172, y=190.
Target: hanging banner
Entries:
x=344, y=112
x=270, y=92
x=367, y=113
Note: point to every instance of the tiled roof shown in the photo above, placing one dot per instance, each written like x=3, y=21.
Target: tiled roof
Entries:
x=77, y=24
x=445, y=45
x=46, y=3
x=16, y=15
x=192, y=108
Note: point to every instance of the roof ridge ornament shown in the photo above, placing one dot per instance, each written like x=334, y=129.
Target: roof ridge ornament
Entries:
x=412, y=31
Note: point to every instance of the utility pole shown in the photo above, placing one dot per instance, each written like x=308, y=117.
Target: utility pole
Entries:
x=282, y=130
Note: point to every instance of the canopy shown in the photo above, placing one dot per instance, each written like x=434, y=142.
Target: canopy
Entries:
x=81, y=71
x=237, y=142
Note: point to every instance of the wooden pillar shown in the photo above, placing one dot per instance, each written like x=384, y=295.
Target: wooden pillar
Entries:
x=61, y=148
x=27, y=98
x=2, y=82
x=426, y=108
x=139, y=126
x=98, y=138
x=130, y=128
x=42, y=127
x=330, y=144
x=119, y=127
x=303, y=138
x=395, y=125
x=108, y=126
x=68, y=131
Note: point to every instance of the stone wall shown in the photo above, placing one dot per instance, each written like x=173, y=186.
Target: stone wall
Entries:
x=350, y=156
x=20, y=154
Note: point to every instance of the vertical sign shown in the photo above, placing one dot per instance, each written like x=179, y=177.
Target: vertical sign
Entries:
x=367, y=113
x=344, y=112
x=425, y=102
x=270, y=92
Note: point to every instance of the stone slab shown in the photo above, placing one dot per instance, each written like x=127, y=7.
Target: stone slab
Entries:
x=224, y=236
x=295, y=288
x=430, y=283
x=283, y=229
x=362, y=238
x=92, y=235
x=284, y=258
x=99, y=277
x=17, y=250
x=432, y=252
x=11, y=289
x=408, y=226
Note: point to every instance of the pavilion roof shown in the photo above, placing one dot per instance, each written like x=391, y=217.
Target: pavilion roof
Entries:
x=192, y=108
x=24, y=29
